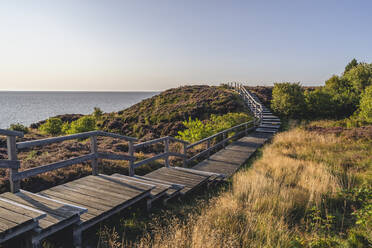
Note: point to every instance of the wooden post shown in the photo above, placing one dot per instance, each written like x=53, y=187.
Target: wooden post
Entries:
x=208, y=146
x=131, y=162
x=166, y=150
x=246, y=129
x=94, y=150
x=185, y=155
x=223, y=139
x=12, y=155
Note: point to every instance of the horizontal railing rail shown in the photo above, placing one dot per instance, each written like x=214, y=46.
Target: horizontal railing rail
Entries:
x=41, y=142
x=8, y=164
x=5, y=132
x=54, y=166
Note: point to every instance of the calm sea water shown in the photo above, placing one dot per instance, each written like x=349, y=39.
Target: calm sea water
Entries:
x=31, y=107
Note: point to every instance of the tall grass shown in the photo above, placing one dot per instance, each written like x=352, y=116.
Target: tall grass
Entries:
x=289, y=198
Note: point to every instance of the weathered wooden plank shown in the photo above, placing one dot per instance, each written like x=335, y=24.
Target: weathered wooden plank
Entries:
x=22, y=209
x=14, y=216
x=177, y=140
x=79, y=197
x=54, y=166
x=5, y=132
x=116, y=156
x=173, y=185
x=41, y=142
x=148, y=160
x=115, y=135
x=107, y=187
x=57, y=211
x=11, y=164
x=125, y=188
x=149, y=142
x=132, y=185
x=97, y=192
x=159, y=189
x=200, y=172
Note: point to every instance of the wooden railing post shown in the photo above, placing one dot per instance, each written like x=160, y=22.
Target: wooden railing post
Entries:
x=94, y=150
x=166, y=151
x=223, y=139
x=184, y=155
x=131, y=162
x=208, y=146
x=246, y=129
x=12, y=155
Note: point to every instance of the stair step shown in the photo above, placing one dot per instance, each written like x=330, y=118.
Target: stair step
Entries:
x=266, y=130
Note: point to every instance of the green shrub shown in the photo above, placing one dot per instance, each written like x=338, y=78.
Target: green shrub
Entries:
x=359, y=76
x=319, y=104
x=97, y=113
x=18, y=127
x=288, y=99
x=197, y=130
x=83, y=124
x=52, y=126
x=366, y=105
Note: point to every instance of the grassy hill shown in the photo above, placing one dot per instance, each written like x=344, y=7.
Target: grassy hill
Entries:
x=157, y=116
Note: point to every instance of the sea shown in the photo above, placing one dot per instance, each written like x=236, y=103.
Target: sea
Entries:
x=30, y=107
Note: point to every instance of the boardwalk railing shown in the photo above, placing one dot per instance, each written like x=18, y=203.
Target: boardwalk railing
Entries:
x=13, y=164
x=255, y=107
x=222, y=138
x=247, y=126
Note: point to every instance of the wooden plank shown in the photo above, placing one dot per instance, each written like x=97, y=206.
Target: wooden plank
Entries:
x=5, y=132
x=200, y=172
x=112, y=156
x=106, y=187
x=22, y=209
x=178, y=176
x=78, y=198
x=54, y=166
x=58, y=211
x=11, y=164
x=149, y=142
x=127, y=190
x=159, y=189
x=14, y=216
x=117, y=136
x=148, y=160
x=41, y=142
x=113, y=181
x=103, y=193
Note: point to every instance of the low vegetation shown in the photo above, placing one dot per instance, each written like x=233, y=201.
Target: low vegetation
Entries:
x=197, y=130
x=309, y=189
x=348, y=95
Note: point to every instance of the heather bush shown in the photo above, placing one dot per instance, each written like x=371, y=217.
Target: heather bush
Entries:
x=83, y=124
x=288, y=99
x=52, y=126
x=197, y=130
x=18, y=127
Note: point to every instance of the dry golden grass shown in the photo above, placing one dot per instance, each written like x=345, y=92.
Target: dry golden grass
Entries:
x=268, y=204
x=258, y=210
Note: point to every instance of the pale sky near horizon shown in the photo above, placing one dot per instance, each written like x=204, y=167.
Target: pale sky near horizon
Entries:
x=153, y=45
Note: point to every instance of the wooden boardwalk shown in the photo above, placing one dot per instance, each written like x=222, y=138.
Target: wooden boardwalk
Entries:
x=230, y=159
x=82, y=203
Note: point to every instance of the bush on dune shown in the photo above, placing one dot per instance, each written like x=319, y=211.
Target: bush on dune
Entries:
x=197, y=130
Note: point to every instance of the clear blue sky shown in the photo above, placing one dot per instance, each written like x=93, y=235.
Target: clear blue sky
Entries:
x=155, y=44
